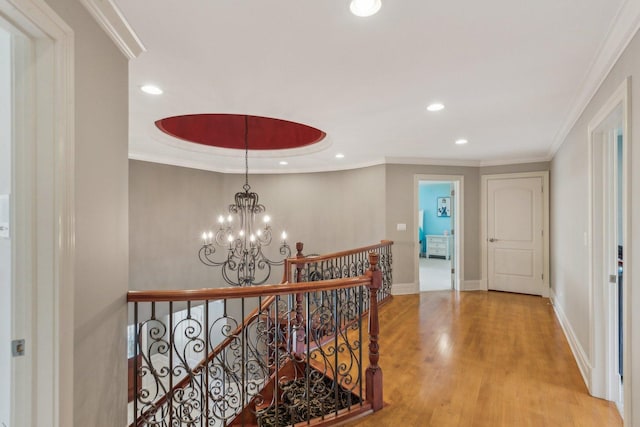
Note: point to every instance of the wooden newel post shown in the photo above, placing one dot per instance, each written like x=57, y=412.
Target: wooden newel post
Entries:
x=374, y=373
x=299, y=322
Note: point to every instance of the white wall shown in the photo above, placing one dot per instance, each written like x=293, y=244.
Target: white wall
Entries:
x=569, y=219
x=5, y=244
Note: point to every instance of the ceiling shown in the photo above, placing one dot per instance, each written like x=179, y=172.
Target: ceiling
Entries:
x=513, y=76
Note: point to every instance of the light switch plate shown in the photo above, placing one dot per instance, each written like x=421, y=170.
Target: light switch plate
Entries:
x=401, y=227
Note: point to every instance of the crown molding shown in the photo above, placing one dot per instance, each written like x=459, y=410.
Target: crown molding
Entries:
x=113, y=22
x=423, y=161
x=503, y=162
x=458, y=162
x=622, y=30
x=203, y=165
x=200, y=164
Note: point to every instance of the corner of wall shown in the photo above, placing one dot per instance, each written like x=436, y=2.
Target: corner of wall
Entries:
x=404, y=288
x=471, y=285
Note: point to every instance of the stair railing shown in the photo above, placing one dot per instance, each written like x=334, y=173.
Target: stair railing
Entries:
x=197, y=364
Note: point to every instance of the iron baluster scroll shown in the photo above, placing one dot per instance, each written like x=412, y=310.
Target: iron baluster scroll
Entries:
x=273, y=355
x=245, y=263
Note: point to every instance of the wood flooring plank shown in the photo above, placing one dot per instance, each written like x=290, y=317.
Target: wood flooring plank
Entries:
x=480, y=359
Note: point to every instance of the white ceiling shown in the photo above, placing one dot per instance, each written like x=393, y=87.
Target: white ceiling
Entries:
x=512, y=74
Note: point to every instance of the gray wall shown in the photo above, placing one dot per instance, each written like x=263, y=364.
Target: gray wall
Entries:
x=400, y=209
x=569, y=217
x=101, y=229
x=171, y=206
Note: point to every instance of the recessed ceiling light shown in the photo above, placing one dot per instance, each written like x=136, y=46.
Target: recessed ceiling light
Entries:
x=151, y=90
x=436, y=106
x=339, y=156
x=284, y=163
x=461, y=141
x=365, y=8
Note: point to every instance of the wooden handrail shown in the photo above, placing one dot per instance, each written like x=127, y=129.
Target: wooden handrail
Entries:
x=372, y=279
x=248, y=292
x=316, y=258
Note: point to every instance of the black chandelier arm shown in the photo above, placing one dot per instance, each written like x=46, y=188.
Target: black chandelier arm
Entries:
x=285, y=251
x=205, y=253
x=244, y=267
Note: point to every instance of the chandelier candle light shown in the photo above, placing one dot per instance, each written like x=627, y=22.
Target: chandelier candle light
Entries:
x=245, y=263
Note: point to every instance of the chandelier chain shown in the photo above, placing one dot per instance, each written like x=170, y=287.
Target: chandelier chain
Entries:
x=246, y=185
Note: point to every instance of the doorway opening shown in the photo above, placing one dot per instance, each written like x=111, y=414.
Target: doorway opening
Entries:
x=438, y=238
x=609, y=245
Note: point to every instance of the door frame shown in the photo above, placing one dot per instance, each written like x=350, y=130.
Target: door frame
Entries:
x=458, y=237
x=484, y=240
x=599, y=301
x=45, y=174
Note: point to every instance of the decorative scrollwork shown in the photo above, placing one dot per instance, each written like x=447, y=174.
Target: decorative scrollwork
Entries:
x=293, y=359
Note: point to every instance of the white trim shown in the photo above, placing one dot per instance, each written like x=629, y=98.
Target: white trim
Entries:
x=623, y=28
x=598, y=303
x=423, y=161
x=574, y=344
x=484, y=179
x=54, y=180
x=110, y=18
x=203, y=165
x=471, y=285
x=503, y=162
x=404, y=288
x=458, y=181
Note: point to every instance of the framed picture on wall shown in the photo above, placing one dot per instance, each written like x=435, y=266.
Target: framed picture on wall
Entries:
x=444, y=206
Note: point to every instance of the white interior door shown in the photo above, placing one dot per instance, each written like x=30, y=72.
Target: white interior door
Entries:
x=514, y=234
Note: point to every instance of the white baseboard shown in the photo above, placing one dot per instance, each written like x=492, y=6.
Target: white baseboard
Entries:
x=471, y=285
x=578, y=352
x=404, y=288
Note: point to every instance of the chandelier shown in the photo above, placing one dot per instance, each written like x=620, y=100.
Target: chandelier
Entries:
x=243, y=240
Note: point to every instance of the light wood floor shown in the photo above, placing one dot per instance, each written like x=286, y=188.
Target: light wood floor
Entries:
x=480, y=359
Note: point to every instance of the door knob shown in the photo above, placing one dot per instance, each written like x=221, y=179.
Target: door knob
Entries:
x=493, y=240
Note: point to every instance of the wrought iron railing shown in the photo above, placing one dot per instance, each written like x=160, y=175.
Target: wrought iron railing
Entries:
x=206, y=357
x=351, y=263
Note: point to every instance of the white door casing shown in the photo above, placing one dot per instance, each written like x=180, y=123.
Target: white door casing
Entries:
x=602, y=370
x=44, y=210
x=514, y=224
x=457, y=259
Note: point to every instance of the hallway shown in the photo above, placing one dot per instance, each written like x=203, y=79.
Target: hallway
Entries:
x=484, y=359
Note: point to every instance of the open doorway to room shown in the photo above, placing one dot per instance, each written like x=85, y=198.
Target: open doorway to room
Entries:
x=609, y=179
x=437, y=212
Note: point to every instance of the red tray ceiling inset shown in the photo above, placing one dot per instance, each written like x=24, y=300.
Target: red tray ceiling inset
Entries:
x=227, y=131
